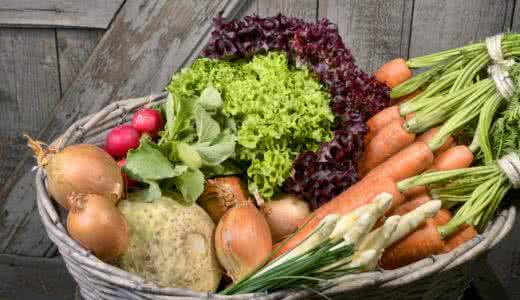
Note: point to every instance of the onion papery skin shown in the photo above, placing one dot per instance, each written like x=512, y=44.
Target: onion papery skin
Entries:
x=242, y=240
x=98, y=225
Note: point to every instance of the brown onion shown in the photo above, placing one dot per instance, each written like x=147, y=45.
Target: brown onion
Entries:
x=221, y=194
x=284, y=214
x=98, y=225
x=242, y=240
x=82, y=168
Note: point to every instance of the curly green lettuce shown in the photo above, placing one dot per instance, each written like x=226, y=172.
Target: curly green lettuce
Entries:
x=279, y=110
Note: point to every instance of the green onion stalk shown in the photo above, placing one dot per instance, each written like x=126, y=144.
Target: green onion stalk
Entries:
x=466, y=62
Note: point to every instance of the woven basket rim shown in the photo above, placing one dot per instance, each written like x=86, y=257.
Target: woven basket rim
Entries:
x=79, y=260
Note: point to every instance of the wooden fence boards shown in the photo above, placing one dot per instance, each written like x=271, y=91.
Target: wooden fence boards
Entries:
x=374, y=30
x=443, y=24
x=58, y=13
x=74, y=48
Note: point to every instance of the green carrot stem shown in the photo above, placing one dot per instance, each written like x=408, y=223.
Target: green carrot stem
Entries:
x=440, y=176
x=466, y=113
x=414, y=83
x=425, y=98
x=470, y=70
x=484, y=127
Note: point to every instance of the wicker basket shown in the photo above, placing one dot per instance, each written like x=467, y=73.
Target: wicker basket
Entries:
x=98, y=280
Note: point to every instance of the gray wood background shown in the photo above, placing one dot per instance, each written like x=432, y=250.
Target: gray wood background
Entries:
x=60, y=60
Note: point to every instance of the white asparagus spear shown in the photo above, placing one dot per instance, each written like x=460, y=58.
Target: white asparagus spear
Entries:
x=353, y=225
x=410, y=221
x=375, y=241
x=318, y=235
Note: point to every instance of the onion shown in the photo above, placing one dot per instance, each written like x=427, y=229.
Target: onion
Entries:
x=121, y=139
x=148, y=121
x=82, y=168
x=285, y=214
x=242, y=240
x=221, y=194
x=98, y=225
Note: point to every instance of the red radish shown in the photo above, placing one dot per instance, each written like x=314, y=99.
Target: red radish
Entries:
x=148, y=120
x=121, y=139
x=129, y=182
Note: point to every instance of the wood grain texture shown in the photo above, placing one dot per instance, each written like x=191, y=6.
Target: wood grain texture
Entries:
x=74, y=48
x=305, y=9
x=375, y=30
x=146, y=43
x=58, y=13
x=34, y=278
x=29, y=89
x=515, y=23
x=443, y=24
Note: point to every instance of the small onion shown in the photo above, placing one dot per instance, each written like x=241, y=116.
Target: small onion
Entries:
x=98, y=225
x=221, y=194
x=82, y=168
x=284, y=214
x=242, y=240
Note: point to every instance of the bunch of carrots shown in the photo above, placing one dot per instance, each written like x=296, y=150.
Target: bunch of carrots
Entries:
x=411, y=146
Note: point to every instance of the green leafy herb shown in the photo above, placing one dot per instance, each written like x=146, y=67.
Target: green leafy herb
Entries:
x=190, y=184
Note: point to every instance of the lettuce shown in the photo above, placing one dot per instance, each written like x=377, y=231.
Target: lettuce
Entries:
x=279, y=111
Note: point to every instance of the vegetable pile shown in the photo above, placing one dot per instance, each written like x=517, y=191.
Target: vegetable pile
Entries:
x=317, y=176
x=276, y=163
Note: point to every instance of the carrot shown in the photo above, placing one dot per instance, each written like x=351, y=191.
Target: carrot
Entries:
x=454, y=158
x=466, y=233
x=410, y=161
x=393, y=72
x=421, y=243
x=411, y=204
x=428, y=136
x=357, y=195
x=442, y=217
x=380, y=120
x=387, y=142
x=410, y=116
x=415, y=192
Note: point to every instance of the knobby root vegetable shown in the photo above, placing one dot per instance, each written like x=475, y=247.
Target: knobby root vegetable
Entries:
x=171, y=244
x=393, y=72
x=96, y=223
x=221, y=194
x=242, y=240
x=408, y=162
x=387, y=142
x=355, y=196
x=82, y=168
x=284, y=214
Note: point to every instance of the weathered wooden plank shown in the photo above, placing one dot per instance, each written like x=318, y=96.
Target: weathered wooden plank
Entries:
x=74, y=48
x=29, y=89
x=146, y=43
x=375, y=30
x=305, y=9
x=515, y=23
x=58, y=13
x=34, y=278
x=438, y=25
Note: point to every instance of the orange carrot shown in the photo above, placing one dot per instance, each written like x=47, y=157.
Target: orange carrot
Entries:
x=380, y=120
x=454, y=158
x=410, y=161
x=357, y=195
x=444, y=148
x=466, y=233
x=411, y=204
x=430, y=134
x=419, y=244
x=415, y=192
x=387, y=142
x=393, y=72
x=442, y=217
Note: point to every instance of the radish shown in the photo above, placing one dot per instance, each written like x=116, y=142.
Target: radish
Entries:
x=148, y=121
x=121, y=139
x=129, y=182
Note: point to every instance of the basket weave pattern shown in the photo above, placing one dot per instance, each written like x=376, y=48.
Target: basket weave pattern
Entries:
x=98, y=280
